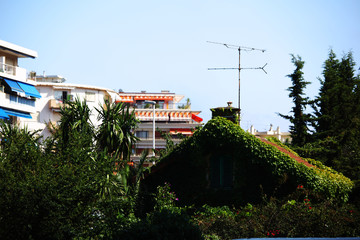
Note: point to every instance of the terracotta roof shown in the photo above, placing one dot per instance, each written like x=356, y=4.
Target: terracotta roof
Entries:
x=290, y=154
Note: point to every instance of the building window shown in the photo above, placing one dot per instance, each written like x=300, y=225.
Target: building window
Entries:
x=63, y=96
x=21, y=100
x=90, y=96
x=141, y=134
x=161, y=104
x=221, y=172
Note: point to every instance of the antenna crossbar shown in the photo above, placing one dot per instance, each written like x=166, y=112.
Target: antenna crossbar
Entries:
x=239, y=48
x=262, y=68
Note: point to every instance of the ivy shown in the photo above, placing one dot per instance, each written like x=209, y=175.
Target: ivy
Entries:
x=222, y=136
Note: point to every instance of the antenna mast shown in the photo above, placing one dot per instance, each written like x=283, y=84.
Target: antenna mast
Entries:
x=239, y=48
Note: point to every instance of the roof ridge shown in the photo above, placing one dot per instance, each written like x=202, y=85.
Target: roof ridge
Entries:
x=290, y=154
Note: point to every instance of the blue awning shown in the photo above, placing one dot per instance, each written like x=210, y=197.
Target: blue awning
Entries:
x=29, y=90
x=14, y=85
x=17, y=113
x=3, y=115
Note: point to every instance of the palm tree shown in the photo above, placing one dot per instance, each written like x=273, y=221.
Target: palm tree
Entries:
x=116, y=131
x=75, y=126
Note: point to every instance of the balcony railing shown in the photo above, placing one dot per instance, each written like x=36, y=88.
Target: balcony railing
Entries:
x=55, y=104
x=19, y=73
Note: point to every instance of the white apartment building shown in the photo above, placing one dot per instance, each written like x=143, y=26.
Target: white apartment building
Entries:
x=35, y=101
x=169, y=118
x=54, y=91
x=18, y=95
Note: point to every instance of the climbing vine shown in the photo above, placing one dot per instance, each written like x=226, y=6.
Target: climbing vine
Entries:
x=260, y=162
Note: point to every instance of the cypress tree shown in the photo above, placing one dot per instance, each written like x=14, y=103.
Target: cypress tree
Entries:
x=326, y=100
x=335, y=107
x=337, y=113
x=299, y=120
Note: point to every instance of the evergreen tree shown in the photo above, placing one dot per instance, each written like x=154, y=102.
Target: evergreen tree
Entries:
x=324, y=104
x=299, y=120
x=335, y=103
x=337, y=118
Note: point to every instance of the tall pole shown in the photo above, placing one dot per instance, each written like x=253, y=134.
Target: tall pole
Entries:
x=154, y=130
x=239, y=87
x=239, y=48
x=153, y=103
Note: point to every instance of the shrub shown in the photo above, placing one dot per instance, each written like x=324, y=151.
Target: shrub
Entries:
x=167, y=221
x=302, y=214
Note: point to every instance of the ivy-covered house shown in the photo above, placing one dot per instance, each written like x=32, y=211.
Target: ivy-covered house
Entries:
x=222, y=164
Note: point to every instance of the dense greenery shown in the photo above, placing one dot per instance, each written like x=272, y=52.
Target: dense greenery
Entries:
x=65, y=187
x=301, y=214
x=68, y=190
x=258, y=168
x=78, y=184
x=299, y=119
x=334, y=125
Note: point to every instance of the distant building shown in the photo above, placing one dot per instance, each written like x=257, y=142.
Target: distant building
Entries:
x=18, y=95
x=55, y=91
x=170, y=117
x=282, y=136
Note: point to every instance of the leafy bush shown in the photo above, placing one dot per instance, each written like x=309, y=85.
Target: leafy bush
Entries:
x=163, y=224
x=167, y=221
x=302, y=214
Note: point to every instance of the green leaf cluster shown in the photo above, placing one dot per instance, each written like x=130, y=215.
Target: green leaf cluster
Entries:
x=258, y=167
x=73, y=184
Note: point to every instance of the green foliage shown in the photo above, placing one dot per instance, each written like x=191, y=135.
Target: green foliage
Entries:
x=299, y=120
x=330, y=183
x=61, y=188
x=279, y=143
x=42, y=195
x=302, y=214
x=258, y=168
x=167, y=221
x=215, y=222
x=75, y=122
x=164, y=224
x=115, y=134
x=164, y=198
x=335, y=120
x=335, y=103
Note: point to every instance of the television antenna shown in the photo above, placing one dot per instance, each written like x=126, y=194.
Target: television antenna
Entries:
x=239, y=68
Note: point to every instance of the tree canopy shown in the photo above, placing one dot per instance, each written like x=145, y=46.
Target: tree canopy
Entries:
x=299, y=119
x=335, y=117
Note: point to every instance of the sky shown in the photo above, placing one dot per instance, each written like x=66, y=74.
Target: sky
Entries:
x=164, y=45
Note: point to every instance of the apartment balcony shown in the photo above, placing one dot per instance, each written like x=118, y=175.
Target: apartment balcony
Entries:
x=12, y=72
x=167, y=125
x=166, y=115
x=55, y=104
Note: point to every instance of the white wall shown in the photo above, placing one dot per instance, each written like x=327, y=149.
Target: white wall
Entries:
x=45, y=115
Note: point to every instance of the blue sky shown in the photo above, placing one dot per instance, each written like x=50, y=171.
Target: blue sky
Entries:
x=162, y=45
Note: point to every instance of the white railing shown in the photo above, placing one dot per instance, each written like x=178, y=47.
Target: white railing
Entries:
x=8, y=69
x=18, y=72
